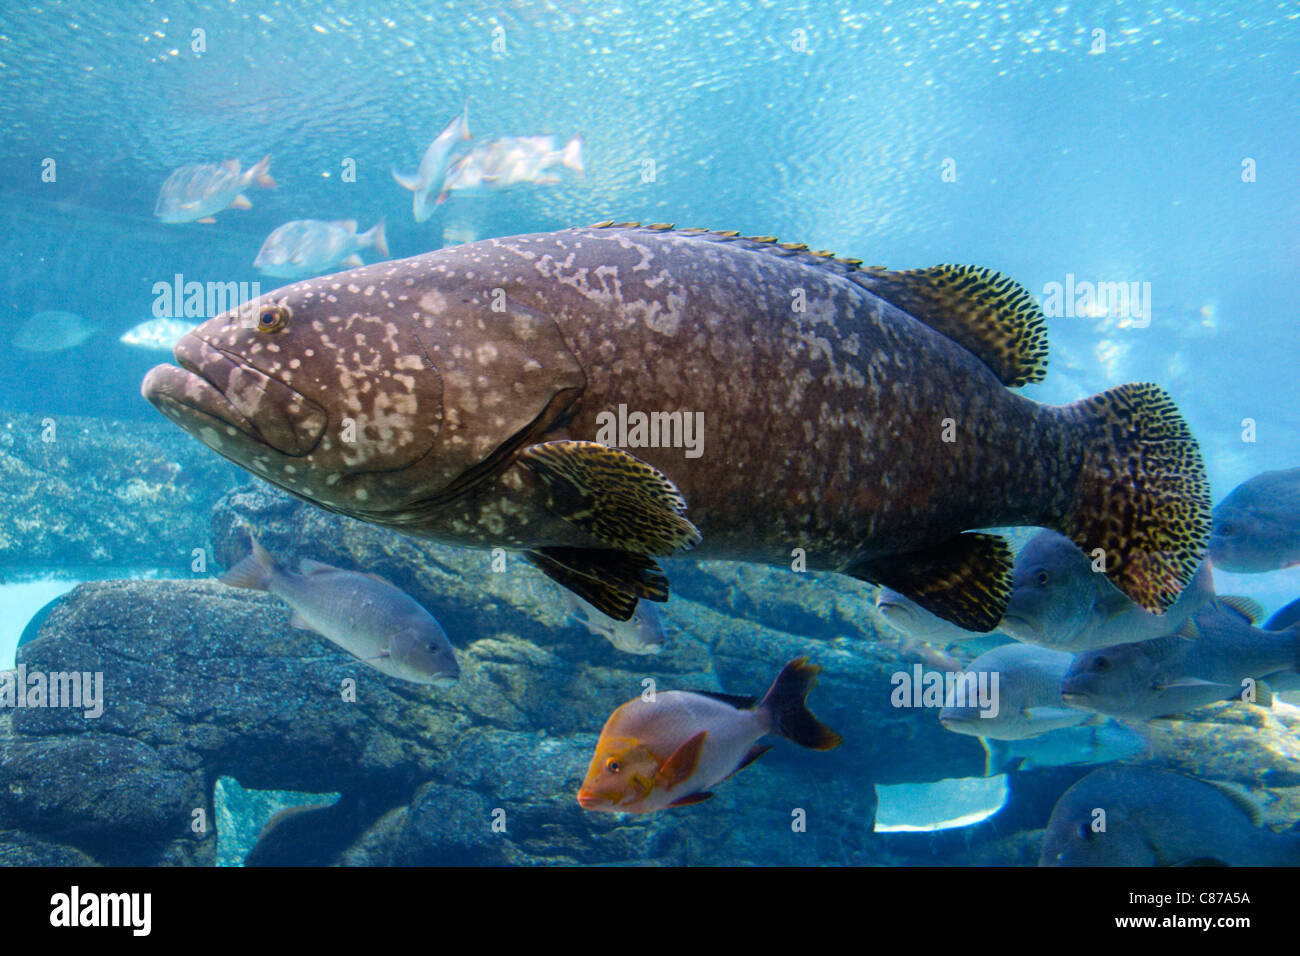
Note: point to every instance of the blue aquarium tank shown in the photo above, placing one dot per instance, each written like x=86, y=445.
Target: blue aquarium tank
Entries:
x=683, y=433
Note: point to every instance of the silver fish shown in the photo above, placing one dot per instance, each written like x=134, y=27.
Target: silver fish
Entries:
x=158, y=334
x=919, y=628
x=433, y=165
x=1207, y=661
x=196, y=193
x=307, y=247
x=1094, y=742
x=1059, y=601
x=642, y=633
x=499, y=164
x=1257, y=527
x=368, y=617
x=1139, y=816
x=53, y=331
x=1028, y=701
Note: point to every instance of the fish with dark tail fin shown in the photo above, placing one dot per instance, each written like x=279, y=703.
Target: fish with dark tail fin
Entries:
x=866, y=417
x=669, y=750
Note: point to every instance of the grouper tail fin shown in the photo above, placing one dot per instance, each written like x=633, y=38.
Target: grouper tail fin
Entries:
x=791, y=717
x=253, y=572
x=1142, y=495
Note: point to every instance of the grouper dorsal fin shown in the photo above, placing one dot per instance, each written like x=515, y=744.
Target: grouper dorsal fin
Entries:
x=993, y=317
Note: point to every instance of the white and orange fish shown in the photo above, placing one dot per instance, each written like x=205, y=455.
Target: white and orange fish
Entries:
x=670, y=750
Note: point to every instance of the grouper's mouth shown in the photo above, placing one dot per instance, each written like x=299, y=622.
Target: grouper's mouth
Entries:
x=218, y=397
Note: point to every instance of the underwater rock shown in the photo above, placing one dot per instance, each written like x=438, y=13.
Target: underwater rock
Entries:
x=86, y=492
x=22, y=849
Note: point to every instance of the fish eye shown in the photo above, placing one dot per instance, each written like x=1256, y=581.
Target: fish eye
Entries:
x=1101, y=664
x=613, y=766
x=1043, y=577
x=272, y=318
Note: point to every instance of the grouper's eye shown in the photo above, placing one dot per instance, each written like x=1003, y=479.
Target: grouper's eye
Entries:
x=1043, y=577
x=613, y=766
x=272, y=318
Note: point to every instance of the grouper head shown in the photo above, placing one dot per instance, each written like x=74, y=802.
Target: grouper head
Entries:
x=382, y=392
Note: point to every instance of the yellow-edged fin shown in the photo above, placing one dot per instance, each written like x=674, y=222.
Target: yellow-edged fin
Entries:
x=988, y=314
x=682, y=763
x=618, y=498
x=1248, y=608
x=966, y=580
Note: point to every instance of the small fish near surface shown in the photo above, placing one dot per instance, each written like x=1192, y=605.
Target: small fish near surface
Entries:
x=1140, y=816
x=1059, y=601
x=642, y=633
x=1028, y=695
x=54, y=331
x=670, y=751
x=1208, y=660
x=428, y=179
x=479, y=379
x=1257, y=527
x=509, y=161
x=367, y=616
x=197, y=193
x=157, y=334
x=307, y=247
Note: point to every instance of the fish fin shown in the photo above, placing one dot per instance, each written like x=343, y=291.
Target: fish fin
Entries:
x=347, y=225
x=999, y=758
x=738, y=701
x=1240, y=796
x=240, y=202
x=443, y=196
x=991, y=316
x=1050, y=713
x=1248, y=608
x=571, y=156
x=751, y=755
x=206, y=220
x=1263, y=695
x=1141, y=494
x=413, y=182
x=1191, y=682
x=682, y=762
x=613, y=496
x=261, y=173
x=230, y=166
x=308, y=566
x=1188, y=631
x=353, y=261
x=610, y=581
x=966, y=580
x=786, y=702
x=253, y=572
x=377, y=239
x=691, y=798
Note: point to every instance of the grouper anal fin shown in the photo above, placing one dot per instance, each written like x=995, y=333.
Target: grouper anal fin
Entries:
x=611, y=581
x=965, y=580
x=625, y=503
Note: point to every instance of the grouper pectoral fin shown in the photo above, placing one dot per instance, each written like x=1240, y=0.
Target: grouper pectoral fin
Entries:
x=617, y=498
x=966, y=580
x=991, y=316
x=612, y=581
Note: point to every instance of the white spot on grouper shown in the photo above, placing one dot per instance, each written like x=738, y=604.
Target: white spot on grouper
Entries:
x=486, y=353
x=361, y=494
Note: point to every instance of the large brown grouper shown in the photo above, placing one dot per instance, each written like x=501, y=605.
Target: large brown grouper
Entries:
x=469, y=395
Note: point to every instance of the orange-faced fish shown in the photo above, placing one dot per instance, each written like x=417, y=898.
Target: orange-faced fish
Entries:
x=670, y=751
x=196, y=193
x=368, y=617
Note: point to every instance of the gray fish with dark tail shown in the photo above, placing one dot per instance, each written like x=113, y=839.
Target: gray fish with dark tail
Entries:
x=368, y=617
x=1139, y=816
x=1257, y=527
x=1208, y=660
x=472, y=395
